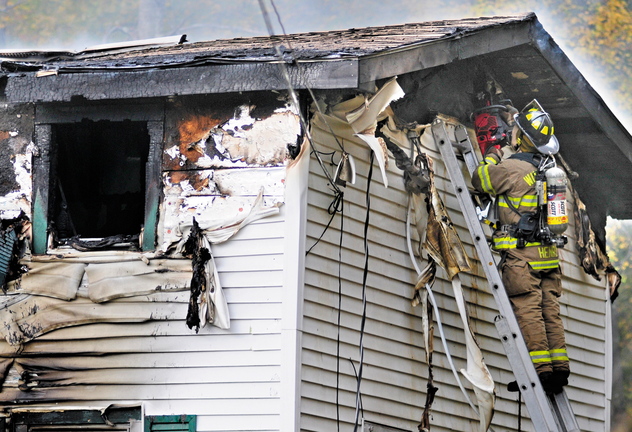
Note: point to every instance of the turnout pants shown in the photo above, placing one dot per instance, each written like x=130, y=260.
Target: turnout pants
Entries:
x=534, y=295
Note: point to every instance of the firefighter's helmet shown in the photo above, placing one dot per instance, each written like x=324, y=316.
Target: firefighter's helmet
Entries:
x=538, y=132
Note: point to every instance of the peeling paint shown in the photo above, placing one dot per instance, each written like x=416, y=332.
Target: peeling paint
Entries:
x=18, y=200
x=240, y=123
x=224, y=165
x=192, y=182
x=264, y=142
x=234, y=160
x=242, y=140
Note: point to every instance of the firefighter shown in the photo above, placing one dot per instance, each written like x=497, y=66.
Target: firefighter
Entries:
x=530, y=265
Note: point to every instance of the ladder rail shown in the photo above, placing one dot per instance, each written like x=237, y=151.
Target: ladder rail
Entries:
x=547, y=415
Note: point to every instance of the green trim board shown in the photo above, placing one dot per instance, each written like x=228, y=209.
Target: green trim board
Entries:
x=171, y=423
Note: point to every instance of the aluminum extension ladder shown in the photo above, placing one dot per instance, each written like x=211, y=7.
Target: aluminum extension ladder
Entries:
x=553, y=413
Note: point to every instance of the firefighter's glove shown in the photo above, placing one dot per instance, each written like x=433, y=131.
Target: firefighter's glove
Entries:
x=493, y=155
x=508, y=115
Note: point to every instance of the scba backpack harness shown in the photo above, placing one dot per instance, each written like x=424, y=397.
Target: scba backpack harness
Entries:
x=544, y=226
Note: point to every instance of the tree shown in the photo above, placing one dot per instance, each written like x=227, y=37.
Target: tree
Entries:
x=597, y=36
x=620, y=252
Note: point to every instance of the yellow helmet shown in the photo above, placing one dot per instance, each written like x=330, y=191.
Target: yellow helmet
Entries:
x=537, y=132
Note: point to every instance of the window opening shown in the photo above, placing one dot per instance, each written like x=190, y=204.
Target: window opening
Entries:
x=98, y=188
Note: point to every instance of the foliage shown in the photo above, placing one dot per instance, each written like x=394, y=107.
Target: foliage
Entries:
x=596, y=35
x=620, y=253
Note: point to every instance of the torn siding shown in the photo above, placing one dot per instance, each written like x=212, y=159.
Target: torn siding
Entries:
x=139, y=347
x=60, y=294
x=395, y=376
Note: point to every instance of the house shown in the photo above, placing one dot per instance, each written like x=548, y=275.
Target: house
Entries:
x=180, y=254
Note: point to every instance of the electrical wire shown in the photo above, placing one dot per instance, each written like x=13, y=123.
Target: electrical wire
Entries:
x=339, y=316
x=308, y=88
x=355, y=373
x=364, y=279
x=337, y=205
x=334, y=207
x=292, y=91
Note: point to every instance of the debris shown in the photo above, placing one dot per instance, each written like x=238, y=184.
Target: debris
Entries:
x=428, y=331
x=104, y=243
x=442, y=241
x=193, y=248
x=416, y=175
x=11, y=246
x=346, y=171
x=593, y=260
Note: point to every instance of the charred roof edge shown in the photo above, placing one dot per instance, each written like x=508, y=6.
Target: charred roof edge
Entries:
x=27, y=87
x=453, y=47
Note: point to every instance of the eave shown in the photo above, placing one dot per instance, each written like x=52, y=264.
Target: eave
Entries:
x=522, y=55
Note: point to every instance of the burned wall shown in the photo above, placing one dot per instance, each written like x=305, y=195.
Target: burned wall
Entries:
x=222, y=163
x=449, y=89
x=220, y=153
x=16, y=149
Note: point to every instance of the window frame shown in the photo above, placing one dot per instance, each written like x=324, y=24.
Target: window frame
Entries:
x=48, y=115
x=123, y=419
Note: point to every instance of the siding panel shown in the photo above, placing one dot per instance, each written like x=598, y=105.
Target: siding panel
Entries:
x=229, y=378
x=393, y=386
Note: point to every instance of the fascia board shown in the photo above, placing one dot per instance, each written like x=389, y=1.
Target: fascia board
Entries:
x=227, y=78
x=426, y=55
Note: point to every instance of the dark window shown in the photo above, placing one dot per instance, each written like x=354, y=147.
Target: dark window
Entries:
x=100, y=176
x=97, y=176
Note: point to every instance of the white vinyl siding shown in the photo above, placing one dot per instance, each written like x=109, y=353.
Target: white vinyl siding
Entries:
x=395, y=371
x=229, y=378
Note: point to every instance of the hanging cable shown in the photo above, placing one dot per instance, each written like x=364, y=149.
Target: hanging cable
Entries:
x=283, y=68
x=364, y=278
x=337, y=205
x=339, y=315
x=293, y=95
x=289, y=45
x=334, y=207
x=355, y=373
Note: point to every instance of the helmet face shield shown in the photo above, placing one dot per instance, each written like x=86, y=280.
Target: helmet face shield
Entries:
x=550, y=148
x=526, y=145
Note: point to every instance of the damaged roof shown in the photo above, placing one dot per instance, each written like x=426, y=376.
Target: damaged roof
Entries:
x=522, y=55
x=351, y=43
